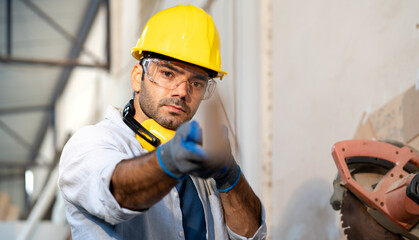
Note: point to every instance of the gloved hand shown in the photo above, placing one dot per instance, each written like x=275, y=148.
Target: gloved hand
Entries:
x=184, y=155
x=227, y=177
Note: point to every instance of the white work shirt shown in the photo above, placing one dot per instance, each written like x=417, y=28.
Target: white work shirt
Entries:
x=86, y=166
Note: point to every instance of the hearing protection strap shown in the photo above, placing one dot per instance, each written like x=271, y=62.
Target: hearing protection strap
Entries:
x=128, y=118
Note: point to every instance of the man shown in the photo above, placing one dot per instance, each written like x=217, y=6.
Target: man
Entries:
x=115, y=189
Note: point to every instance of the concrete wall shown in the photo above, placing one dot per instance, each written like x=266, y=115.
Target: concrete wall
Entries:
x=331, y=60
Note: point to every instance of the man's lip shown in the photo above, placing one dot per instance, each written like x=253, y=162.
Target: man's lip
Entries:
x=176, y=108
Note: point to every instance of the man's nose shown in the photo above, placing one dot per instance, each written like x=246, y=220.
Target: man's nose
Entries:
x=181, y=89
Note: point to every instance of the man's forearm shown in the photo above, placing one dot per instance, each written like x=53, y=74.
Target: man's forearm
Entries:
x=242, y=209
x=139, y=183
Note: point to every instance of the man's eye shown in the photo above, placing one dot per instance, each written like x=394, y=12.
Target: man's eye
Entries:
x=198, y=84
x=167, y=74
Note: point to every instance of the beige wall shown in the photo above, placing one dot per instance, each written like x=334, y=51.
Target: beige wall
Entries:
x=333, y=60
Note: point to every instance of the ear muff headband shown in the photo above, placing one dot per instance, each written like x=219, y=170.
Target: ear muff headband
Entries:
x=128, y=118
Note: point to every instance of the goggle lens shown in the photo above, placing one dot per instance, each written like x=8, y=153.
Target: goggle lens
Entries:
x=170, y=75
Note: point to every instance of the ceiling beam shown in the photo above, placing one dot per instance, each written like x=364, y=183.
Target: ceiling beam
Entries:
x=47, y=62
x=9, y=27
x=12, y=175
x=9, y=164
x=108, y=34
x=24, y=109
x=15, y=135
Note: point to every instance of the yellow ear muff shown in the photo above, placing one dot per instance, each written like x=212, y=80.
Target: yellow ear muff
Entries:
x=157, y=130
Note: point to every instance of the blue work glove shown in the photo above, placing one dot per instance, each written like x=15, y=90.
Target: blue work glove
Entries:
x=227, y=177
x=184, y=155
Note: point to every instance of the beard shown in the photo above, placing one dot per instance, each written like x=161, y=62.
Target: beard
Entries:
x=151, y=109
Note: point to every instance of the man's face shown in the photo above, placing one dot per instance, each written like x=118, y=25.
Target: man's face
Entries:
x=168, y=107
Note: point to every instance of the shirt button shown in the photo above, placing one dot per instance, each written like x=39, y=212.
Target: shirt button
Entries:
x=176, y=194
x=180, y=234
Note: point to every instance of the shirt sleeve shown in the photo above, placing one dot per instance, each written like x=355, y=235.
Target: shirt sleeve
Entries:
x=86, y=167
x=261, y=233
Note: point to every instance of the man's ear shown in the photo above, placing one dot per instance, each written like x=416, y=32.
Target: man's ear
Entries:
x=136, y=72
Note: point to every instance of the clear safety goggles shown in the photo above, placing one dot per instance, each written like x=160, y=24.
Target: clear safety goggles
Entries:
x=171, y=74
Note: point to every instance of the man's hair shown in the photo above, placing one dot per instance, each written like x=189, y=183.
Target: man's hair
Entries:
x=145, y=54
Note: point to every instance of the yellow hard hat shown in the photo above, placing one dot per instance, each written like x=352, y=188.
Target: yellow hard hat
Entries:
x=184, y=32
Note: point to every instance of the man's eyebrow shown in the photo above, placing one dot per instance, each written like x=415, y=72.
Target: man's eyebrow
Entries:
x=179, y=70
x=201, y=77
x=171, y=67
